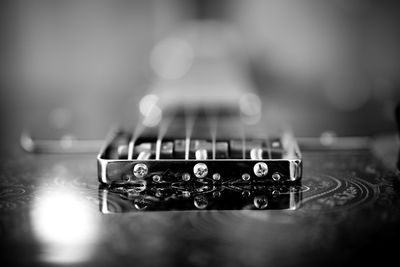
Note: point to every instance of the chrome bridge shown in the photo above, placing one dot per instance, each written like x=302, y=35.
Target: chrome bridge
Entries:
x=168, y=160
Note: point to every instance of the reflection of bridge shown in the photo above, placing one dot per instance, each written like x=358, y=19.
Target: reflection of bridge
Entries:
x=233, y=195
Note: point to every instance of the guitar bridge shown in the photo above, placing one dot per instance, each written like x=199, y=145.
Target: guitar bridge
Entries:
x=149, y=160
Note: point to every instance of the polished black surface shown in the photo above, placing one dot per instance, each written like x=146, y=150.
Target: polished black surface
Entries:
x=347, y=211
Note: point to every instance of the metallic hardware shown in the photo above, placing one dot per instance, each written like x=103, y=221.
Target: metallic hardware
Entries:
x=216, y=176
x=260, y=169
x=186, y=177
x=200, y=170
x=229, y=159
x=256, y=153
x=201, y=154
x=156, y=178
x=140, y=170
x=276, y=176
x=245, y=176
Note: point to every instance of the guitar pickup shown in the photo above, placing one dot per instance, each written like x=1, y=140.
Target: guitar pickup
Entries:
x=168, y=160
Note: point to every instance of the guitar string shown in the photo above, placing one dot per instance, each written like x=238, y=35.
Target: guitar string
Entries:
x=190, y=118
x=162, y=130
x=138, y=130
x=266, y=137
x=213, y=128
x=243, y=135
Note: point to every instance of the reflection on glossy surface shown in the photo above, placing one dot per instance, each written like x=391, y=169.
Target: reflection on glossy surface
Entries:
x=65, y=225
x=201, y=195
x=260, y=202
x=43, y=198
x=200, y=202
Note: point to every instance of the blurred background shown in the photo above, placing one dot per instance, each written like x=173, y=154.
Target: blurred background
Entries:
x=79, y=66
